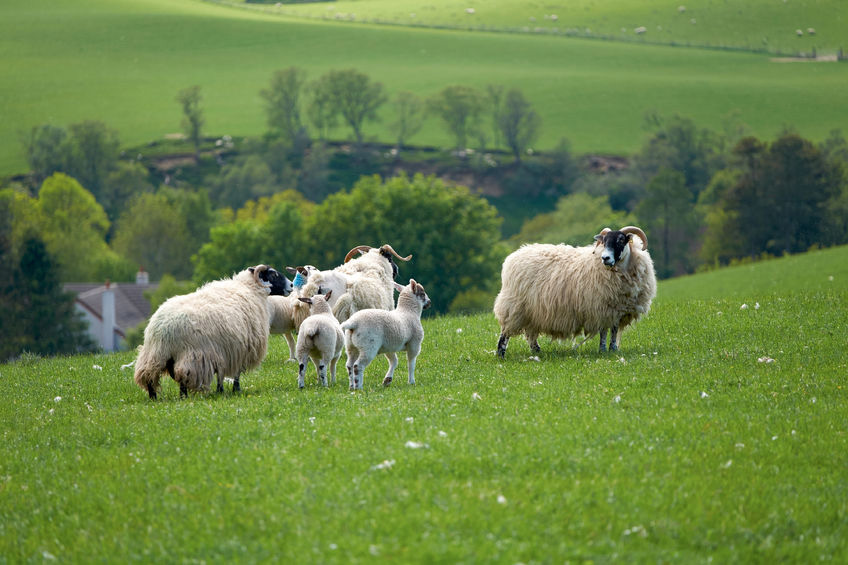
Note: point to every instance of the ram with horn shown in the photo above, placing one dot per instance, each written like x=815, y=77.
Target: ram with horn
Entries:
x=364, y=280
x=565, y=291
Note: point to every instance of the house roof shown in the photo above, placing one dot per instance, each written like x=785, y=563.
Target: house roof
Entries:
x=131, y=307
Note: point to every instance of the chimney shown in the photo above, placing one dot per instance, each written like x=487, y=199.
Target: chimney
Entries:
x=141, y=276
x=107, y=338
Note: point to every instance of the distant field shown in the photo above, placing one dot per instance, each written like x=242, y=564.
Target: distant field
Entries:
x=123, y=62
x=717, y=434
x=768, y=25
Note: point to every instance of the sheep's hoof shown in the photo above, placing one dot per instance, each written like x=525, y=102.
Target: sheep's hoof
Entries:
x=236, y=385
x=387, y=381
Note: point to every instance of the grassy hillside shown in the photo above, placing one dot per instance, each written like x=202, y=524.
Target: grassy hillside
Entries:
x=123, y=62
x=717, y=434
x=757, y=24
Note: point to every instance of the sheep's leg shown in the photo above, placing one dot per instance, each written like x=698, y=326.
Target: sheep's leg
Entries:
x=151, y=391
x=393, y=361
x=614, y=338
x=410, y=363
x=301, y=372
x=333, y=362
x=183, y=391
x=359, y=366
x=322, y=372
x=603, y=346
x=503, y=341
x=290, y=341
x=236, y=383
x=352, y=353
x=533, y=342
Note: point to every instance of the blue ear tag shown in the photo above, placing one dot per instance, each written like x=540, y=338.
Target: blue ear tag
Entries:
x=299, y=280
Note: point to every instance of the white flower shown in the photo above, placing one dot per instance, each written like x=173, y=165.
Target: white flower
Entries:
x=459, y=330
x=57, y=399
x=617, y=398
x=476, y=396
x=443, y=434
x=774, y=438
x=756, y=305
x=765, y=360
x=534, y=358
x=416, y=445
x=704, y=395
x=97, y=367
x=501, y=499
x=743, y=307
x=727, y=465
x=410, y=419
x=386, y=464
x=739, y=446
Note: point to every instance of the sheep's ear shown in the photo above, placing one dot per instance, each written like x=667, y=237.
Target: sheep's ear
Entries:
x=398, y=287
x=328, y=295
x=291, y=270
x=307, y=300
x=251, y=269
x=413, y=285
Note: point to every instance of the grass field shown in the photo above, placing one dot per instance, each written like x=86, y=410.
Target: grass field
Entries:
x=717, y=434
x=123, y=62
x=756, y=24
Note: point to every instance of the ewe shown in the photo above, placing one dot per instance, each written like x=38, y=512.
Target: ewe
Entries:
x=220, y=329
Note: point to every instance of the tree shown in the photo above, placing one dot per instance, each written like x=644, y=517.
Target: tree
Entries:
x=410, y=117
x=519, y=123
x=283, y=101
x=91, y=153
x=575, y=221
x=46, y=322
x=494, y=96
x=44, y=146
x=74, y=227
x=245, y=178
x=668, y=211
x=355, y=98
x=321, y=112
x=454, y=237
x=459, y=107
x=231, y=248
x=126, y=180
x=153, y=234
x=192, y=123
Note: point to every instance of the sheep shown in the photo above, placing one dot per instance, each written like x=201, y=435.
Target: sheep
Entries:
x=565, y=291
x=287, y=312
x=319, y=338
x=222, y=328
x=358, y=284
x=370, y=332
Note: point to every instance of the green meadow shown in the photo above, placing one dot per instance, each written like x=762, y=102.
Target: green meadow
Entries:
x=716, y=434
x=768, y=25
x=124, y=61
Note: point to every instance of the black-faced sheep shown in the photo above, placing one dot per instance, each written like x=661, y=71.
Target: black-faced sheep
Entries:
x=320, y=339
x=220, y=329
x=566, y=291
x=370, y=332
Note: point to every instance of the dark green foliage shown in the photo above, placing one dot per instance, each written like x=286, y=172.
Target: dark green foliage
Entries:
x=518, y=123
x=91, y=154
x=38, y=316
x=352, y=95
x=460, y=108
x=452, y=234
x=245, y=178
x=44, y=146
x=283, y=102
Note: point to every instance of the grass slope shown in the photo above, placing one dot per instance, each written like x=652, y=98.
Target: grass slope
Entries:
x=123, y=62
x=756, y=24
x=689, y=445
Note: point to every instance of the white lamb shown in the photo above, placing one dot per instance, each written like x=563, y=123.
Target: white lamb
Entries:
x=287, y=312
x=319, y=338
x=370, y=332
x=220, y=329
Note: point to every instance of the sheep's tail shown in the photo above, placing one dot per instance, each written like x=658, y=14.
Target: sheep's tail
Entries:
x=149, y=368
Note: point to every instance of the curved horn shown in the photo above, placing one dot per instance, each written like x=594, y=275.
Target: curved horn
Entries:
x=387, y=247
x=358, y=248
x=639, y=232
